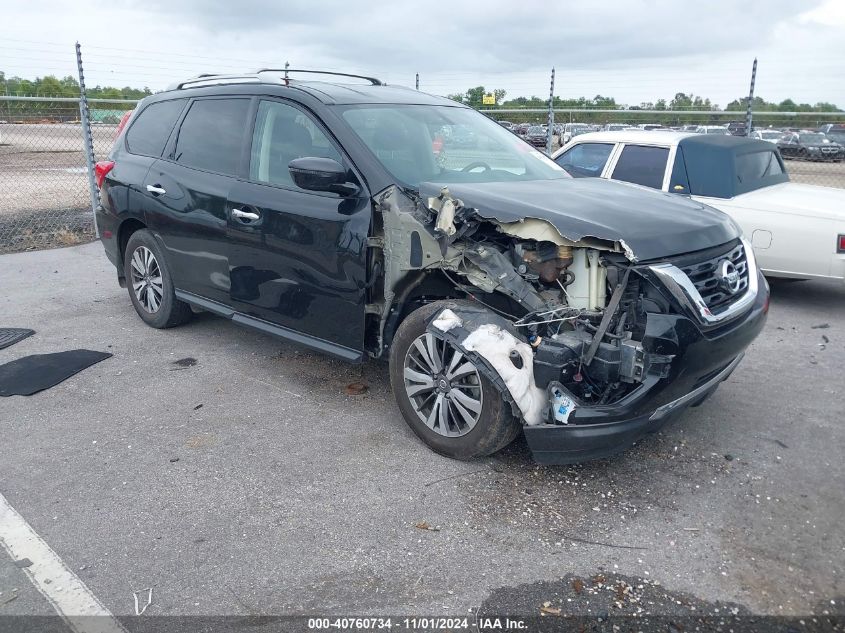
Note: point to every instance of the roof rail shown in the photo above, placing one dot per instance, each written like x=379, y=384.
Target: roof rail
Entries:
x=212, y=79
x=216, y=79
x=372, y=80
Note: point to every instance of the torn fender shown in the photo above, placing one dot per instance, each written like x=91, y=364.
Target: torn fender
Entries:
x=502, y=355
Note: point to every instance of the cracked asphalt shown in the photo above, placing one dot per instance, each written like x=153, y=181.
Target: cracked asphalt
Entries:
x=249, y=482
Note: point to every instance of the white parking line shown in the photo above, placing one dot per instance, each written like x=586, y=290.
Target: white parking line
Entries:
x=63, y=589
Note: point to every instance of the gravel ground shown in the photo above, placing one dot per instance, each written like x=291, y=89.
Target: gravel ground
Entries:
x=251, y=483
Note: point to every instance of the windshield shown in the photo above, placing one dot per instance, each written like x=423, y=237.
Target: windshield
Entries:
x=812, y=138
x=770, y=134
x=421, y=143
x=716, y=130
x=536, y=129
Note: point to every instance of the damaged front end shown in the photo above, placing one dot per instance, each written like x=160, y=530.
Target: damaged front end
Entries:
x=590, y=347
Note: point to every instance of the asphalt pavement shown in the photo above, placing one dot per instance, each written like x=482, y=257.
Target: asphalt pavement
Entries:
x=249, y=482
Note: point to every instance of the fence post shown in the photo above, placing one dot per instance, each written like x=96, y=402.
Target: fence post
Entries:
x=87, y=138
x=418, y=81
x=750, y=99
x=551, y=130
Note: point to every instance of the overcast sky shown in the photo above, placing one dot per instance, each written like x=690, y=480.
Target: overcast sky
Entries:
x=634, y=51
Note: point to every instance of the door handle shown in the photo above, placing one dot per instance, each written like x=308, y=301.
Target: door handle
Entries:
x=156, y=190
x=248, y=216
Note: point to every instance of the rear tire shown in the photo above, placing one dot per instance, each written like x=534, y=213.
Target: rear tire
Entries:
x=494, y=425
x=149, y=283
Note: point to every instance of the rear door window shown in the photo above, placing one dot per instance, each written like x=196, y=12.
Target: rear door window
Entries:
x=212, y=135
x=586, y=159
x=149, y=132
x=642, y=165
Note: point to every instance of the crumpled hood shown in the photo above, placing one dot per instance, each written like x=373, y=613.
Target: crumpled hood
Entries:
x=651, y=223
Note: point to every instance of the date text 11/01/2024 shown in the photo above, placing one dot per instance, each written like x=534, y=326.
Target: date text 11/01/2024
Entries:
x=421, y=623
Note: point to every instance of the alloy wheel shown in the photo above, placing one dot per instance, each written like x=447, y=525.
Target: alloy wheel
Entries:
x=146, y=279
x=443, y=386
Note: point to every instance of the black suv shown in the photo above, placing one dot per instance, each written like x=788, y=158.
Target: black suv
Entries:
x=507, y=296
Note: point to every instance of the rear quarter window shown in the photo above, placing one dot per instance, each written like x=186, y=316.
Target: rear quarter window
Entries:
x=758, y=165
x=212, y=135
x=150, y=130
x=758, y=169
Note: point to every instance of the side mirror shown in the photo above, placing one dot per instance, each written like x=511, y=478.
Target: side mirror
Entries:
x=321, y=174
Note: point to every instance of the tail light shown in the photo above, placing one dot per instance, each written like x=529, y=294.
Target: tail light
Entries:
x=124, y=119
x=840, y=244
x=101, y=169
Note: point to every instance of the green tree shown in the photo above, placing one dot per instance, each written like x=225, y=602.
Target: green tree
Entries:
x=787, y=105
x=474, y=96
x=823, y=106
x=48, y=86
x=680, y=102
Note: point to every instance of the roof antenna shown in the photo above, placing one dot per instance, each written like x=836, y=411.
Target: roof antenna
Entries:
x=287, y=65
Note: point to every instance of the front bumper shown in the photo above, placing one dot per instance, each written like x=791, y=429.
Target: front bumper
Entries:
x=558, y=445
x=685, y=352
x=703, y=359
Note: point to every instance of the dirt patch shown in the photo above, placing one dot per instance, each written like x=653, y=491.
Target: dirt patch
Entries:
x=606, y=601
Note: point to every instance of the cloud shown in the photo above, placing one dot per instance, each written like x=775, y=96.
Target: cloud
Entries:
x=634, y=50
x=445, y=35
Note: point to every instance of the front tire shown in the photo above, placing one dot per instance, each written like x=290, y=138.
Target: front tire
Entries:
x=443, y=397
x=150, y=284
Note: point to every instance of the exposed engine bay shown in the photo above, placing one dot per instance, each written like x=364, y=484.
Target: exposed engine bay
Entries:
x=555, y=323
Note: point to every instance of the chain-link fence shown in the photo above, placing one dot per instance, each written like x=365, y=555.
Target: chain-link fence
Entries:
x=44, y=196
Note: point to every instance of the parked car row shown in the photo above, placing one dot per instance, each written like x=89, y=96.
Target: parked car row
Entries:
x=825, y=144
x=567, y=131
x=810, y=145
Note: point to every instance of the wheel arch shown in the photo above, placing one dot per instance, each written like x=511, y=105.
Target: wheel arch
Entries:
x=124, y=232
x=433, y=286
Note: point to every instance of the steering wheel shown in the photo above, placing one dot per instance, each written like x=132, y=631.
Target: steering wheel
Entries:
x=476, y=164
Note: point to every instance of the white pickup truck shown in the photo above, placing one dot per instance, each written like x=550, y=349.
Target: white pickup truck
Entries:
x=797, y=230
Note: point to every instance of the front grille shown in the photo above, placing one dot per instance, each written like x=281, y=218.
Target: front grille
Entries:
x=706, y=276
